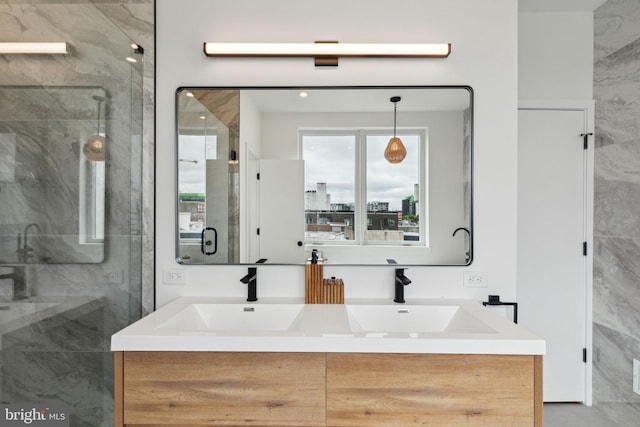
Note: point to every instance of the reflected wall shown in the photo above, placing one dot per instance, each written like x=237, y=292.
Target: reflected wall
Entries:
x=52, y=174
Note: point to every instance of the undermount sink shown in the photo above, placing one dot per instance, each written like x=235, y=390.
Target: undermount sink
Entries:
x=414, y=319
x=360, y=326
x=372, y=320
x=234, y=317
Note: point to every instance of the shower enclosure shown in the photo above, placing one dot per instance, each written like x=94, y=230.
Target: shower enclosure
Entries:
x=70, y=207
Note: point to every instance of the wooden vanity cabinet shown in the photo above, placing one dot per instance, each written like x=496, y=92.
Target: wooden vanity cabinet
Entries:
x=221, y=389
x=326, y=389
x=431, y=390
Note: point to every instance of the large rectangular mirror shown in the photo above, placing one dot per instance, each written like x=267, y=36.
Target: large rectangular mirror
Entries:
x=273, y=173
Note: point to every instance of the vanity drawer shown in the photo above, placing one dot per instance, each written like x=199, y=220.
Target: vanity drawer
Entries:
x=431, y=389
x=224, y=389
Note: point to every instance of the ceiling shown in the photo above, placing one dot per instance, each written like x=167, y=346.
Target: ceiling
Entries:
x=559, y=5
x=361, y=100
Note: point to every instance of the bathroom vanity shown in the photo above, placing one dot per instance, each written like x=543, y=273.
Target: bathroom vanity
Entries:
x=224, y=362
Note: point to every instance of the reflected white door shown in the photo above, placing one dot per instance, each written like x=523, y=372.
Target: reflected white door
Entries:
x=281, y=188
x=552, y=268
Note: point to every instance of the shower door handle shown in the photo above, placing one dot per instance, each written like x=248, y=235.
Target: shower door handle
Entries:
x=204, y=242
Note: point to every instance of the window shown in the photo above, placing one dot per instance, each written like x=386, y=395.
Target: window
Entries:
x=330, y=186
x=92, y=201
x=354, y=196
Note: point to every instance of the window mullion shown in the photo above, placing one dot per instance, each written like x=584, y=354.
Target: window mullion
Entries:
x=423, y=200
x=361, y=187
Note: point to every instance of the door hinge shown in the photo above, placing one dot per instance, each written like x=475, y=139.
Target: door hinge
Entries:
x=584, y=355
x=585, y=139
x=258, y=231
x=258, y=176
x=584, y=248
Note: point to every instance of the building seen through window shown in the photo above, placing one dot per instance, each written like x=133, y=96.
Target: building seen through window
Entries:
x=354, y=196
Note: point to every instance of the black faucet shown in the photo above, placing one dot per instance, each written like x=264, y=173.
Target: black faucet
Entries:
x=251, y=279
x=400, y=282
x=468, y=253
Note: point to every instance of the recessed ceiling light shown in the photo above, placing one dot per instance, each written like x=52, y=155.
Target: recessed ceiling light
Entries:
x=303, y=94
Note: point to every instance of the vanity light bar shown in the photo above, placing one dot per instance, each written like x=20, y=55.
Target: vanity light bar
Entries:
x=47, y=48
x=329, y=49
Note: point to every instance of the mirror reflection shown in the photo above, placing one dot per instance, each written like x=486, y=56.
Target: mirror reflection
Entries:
x=365, y=175
x=52, y=174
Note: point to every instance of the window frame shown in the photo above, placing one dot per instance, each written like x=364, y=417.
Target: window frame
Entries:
x=360, y=177
x=92, y=201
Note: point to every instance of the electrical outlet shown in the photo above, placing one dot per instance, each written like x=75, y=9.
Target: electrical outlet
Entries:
x=474, y=279
x=636, y=376
x=175, y=277
x=113, y=277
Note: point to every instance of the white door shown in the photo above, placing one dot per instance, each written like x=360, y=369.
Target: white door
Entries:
x=281, y=188
x=552, y=229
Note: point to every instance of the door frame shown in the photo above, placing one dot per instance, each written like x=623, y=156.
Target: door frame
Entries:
x=587, y=106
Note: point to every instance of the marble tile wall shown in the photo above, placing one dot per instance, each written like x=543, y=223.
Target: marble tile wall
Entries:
x=616, y=294
x=136, y=19
x=79, y=371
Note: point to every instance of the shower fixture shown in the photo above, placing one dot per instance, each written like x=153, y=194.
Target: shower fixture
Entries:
x=94, y=148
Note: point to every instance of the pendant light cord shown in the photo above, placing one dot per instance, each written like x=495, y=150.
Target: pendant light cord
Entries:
x=99, y=111
x=395, y=115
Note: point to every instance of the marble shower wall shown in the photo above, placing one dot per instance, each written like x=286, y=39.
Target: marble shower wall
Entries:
x=89, y=30
x=616, y=293
x=136, y=19
x=72, y=361
x=98, y=49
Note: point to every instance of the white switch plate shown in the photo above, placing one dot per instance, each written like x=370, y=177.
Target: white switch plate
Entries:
x=636, y=376
x=475, y=279
x=175, y=277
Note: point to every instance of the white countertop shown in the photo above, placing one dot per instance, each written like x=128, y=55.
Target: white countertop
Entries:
x=216, y=324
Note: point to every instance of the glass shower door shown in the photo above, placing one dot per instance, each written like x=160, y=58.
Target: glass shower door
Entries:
x=70, y=212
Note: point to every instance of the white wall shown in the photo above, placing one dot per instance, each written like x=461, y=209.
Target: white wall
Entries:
x=484, y=56
x=555, y=55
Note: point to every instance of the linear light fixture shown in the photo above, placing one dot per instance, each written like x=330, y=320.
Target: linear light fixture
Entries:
x=47, y=48
x=328, y=52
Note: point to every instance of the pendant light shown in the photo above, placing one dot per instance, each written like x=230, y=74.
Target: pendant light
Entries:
x=395, y=151
x=94, y=148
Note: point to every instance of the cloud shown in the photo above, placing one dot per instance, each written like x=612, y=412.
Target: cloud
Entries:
x=332, y=159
